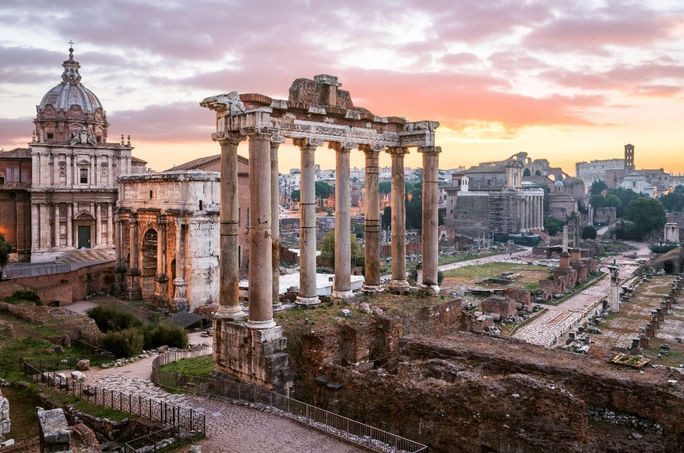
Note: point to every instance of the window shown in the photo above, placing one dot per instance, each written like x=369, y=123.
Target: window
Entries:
x=247, y=217
x=150, y=194
x=2, y=180
x=83, y=175
x=200, y=203
x=239, y=215
x=50, y=135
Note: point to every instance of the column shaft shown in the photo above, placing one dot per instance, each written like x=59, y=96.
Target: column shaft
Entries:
x=372, y=227
x=307, y=238
x=68, y=170
x=110, y=224
x=229, y=299
x=342, y=285
x=35, y=227
x=398, y=220
x=430, y=220
x=55, y=219
x=98, y=224
x=69, y=226
x=260, y=240
x=275, y=222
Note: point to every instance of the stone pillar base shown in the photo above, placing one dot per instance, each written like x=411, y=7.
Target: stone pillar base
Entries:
x=277, y=306
x=253, y=355
x=372, y=289
x=229, y=313
x=307, y=300
x=342, y=295
x=432, y=289
x=261, y=324
x=400, y=286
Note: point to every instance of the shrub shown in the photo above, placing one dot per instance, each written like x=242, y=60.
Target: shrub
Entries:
x=24, y=296
x=662, y=248
x=588, y=232
x=123, y=343
x=156, y=335
x=110, y=318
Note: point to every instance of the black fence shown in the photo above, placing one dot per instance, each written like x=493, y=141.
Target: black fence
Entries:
x=155, y=410
x=350, y=430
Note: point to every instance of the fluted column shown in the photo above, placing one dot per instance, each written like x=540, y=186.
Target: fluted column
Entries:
x=275, y=220
x=342, y=285
x=260, y=241
x=69, y=225
x=307, y=213
x=398, y=200
x=430, y=220
x=229, y=295
x=372, y=227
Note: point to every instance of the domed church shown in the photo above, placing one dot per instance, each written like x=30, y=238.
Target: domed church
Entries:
x=60, y=194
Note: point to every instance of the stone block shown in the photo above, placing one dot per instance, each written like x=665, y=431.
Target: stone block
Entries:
x=54, y=430
x=504, y=306
x=78, y=376
x=83, y=365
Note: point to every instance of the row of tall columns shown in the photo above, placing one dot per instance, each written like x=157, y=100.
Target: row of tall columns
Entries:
x=532, y=212
x=46, y=222
x=46, y=177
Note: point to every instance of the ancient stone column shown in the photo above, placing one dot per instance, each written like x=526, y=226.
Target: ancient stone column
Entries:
x=275, y=220
x=68, y=170
x=179, y=282
x=342, y=286
x=398, y=282
x=372, y=230
x=260, y=240
x=134, y=290
x=162, y=277
x=229, y=293
x=307, y=212
x=44, y=227
x=69, y=226
x=430, y=221
x=55, y=220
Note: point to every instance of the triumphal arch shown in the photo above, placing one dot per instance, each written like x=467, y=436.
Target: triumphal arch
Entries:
x=316, y=112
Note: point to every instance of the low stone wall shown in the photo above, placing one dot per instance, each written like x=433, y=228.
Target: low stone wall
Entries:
x=65, y=287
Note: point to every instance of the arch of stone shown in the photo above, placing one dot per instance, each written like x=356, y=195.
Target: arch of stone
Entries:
x=316, y=112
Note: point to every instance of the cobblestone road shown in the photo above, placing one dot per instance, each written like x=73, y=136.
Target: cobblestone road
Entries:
x=230, y=427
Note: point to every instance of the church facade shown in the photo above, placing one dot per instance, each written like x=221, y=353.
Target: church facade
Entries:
x=60, y=194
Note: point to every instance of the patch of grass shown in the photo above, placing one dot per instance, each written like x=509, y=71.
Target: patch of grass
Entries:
x=322, y=315
x=88, y=407
x=673, y=357
x=466, y=257
x=195, y=366
x=529, y=275
x=23, y=412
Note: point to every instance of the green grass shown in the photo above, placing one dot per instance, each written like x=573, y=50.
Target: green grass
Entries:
x=321, y=315
x=195, y=366
x=88, y=407
x=673, y=359
x=469, y=256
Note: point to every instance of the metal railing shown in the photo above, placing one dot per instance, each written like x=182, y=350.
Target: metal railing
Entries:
x=155, y=410
x=350, y=430
x=160, y=440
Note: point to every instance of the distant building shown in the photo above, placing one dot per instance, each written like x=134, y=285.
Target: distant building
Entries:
x=596, y=170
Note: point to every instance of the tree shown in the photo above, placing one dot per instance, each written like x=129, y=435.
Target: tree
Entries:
x=597, y=187
x=679, y=189
x=385, y=187
x=295, y=196
x=646, y=214
x=673, y=201
x=552, y=225
x=598, y=201
x=613, y=201
x=625, y=196
x=328, y=249
x=5, y=250
x=588, y=232
x=323, y=189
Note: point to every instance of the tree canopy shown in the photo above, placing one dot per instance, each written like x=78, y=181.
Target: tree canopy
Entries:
x=646, y=214
x=597, y=187
x=323, y=189
x=552, y=225
x=328, y=249
x=674, y=201
x=588, y=232
x=295, y=196
x=385, y=186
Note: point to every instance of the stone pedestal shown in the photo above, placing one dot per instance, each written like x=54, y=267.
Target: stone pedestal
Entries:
x=253, y=355
x=179, y=298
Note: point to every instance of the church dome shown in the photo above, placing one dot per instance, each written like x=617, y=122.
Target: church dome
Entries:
x=70, y=107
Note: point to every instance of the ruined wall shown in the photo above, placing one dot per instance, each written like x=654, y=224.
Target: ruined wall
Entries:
x=477, y=393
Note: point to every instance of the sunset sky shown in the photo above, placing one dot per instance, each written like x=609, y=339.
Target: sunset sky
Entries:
x=562, y=80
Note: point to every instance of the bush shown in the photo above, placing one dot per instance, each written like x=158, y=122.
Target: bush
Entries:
x=110, y=318
x=123, y=343
x=156, y=335
x=588, y=232
x=24, y=296
x=662, y=248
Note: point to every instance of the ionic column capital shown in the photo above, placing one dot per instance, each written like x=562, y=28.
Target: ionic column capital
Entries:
x=259, y=132
x=277, y=139
x=430, y=149
x=307, y=142
x=341, y=147
x=230, y=138
x=372, y=148
x=397, y=150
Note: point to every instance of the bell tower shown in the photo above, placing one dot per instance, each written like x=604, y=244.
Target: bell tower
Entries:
x=629, y=158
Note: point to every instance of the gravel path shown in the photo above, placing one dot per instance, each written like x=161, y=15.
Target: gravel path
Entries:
x=230, y=427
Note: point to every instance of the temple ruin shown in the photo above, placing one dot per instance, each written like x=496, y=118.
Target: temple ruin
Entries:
x=316, y=111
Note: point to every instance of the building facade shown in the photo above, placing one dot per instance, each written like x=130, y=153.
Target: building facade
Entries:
x=68, y=173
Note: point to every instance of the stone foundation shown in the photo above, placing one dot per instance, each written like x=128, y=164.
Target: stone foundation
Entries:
x=252, y=355
x=4, y=417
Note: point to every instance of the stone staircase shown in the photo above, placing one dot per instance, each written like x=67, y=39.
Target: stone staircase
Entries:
x=85, y=256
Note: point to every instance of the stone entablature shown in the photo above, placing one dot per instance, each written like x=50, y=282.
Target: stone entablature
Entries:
x=167, y=249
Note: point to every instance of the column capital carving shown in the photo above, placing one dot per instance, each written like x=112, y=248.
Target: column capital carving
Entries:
x=430, y=149
x=370, y=148
x=307, y=142
x=276, y=138
x=341, y=147
x=397, y=150
x=259, y=132
x=229, y=138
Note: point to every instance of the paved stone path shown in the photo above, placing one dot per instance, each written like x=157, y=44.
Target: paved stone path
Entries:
x=546, y=329
x=230, y=427
x=515, y=257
